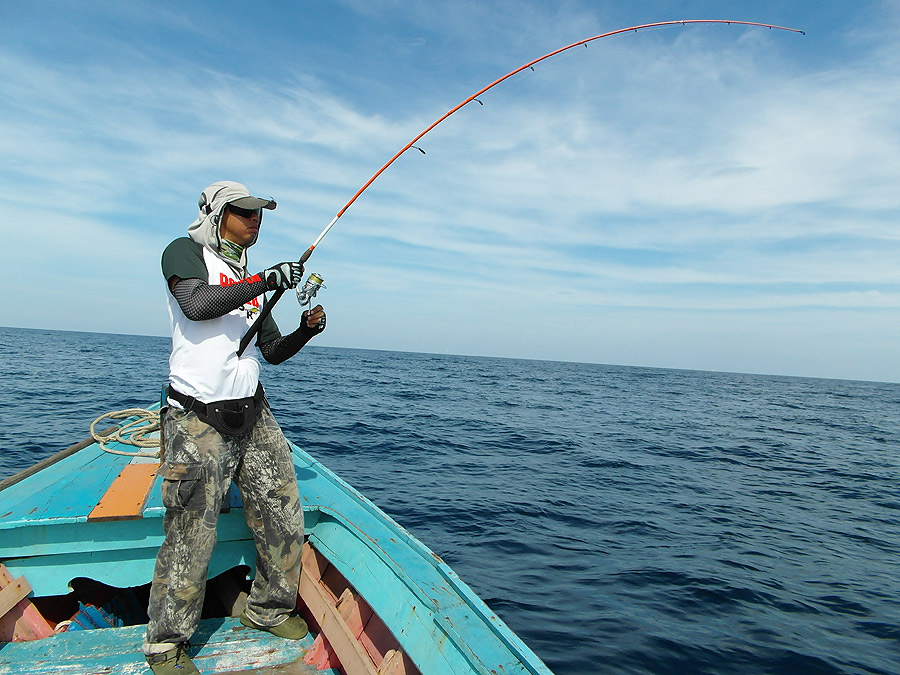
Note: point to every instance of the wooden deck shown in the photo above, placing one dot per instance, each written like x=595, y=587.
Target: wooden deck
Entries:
x=220, y=646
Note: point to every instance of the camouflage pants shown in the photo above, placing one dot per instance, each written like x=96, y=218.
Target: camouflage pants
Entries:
x=200, y=464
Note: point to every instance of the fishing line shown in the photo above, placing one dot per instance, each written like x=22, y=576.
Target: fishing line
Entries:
x=257, y=324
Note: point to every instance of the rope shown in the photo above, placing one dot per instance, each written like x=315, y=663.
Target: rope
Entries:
x=133, y=433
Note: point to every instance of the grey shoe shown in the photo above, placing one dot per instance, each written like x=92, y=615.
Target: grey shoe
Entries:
x=173, y=662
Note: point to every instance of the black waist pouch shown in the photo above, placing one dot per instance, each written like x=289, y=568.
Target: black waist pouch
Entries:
x=232, y=416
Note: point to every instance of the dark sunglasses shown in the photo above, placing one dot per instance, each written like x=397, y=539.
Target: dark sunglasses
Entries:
x=243, y=213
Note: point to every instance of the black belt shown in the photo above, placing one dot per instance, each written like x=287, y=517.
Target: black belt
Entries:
x=231, y=416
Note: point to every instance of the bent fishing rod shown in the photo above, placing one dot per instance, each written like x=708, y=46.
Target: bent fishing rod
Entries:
x=312, y=286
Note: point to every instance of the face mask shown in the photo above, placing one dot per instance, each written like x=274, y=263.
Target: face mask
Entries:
x=231, y=250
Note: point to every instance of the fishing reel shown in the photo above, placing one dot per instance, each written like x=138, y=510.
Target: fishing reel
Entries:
x=307, y=292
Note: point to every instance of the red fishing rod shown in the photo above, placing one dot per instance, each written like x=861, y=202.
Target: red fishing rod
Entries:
x=257, y=324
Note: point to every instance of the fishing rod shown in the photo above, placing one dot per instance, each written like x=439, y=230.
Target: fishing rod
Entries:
x=257, y=324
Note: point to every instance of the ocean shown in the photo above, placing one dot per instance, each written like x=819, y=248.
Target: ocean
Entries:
x=619, y=519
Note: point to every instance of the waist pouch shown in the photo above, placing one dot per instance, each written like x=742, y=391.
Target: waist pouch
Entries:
x=231, y=416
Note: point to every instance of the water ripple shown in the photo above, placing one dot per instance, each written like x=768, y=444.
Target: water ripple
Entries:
x=621, y=520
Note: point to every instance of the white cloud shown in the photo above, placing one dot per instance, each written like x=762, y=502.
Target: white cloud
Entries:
x=683, y=170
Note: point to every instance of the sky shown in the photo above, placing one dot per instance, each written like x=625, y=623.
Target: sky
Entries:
x=709, y=197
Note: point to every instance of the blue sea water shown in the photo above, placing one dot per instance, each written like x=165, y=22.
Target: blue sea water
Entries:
x=620, y=520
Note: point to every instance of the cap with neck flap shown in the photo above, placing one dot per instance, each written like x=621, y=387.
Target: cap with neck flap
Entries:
x=205, y=229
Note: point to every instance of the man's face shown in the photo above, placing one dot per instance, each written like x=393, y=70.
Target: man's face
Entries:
x=239, y=226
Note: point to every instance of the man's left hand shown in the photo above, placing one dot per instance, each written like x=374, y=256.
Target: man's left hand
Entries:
x=313, y=320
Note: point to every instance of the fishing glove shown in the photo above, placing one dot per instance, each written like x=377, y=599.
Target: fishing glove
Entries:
x=316, y=328
x=283, y=276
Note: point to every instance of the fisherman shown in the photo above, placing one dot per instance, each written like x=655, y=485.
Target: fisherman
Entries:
x=217, y=427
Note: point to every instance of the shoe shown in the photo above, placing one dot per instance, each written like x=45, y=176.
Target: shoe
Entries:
x=173, y=662
x=292, y=629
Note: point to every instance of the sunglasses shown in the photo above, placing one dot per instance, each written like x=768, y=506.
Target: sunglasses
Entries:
x=243, y=213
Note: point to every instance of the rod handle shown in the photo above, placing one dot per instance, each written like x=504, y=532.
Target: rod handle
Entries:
x=257, y=324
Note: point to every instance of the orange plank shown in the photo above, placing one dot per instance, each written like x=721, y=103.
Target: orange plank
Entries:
x=126, y=496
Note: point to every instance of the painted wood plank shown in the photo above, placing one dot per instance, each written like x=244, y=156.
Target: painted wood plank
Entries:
x=353, y=658
x=66, y=491
x=364, y=624
x=13, y=593
x=396, y=663
x=126, y=495
x=473, y=639
x=221, y=646
x=355, y=612
x=49, y=538
x=285, y=669
x=50, y=575
x=321, y=656
x=20, y=620
x=313, y=561
x=374, y=636
x=62, y=537
x=357, y=621
x=377, y=640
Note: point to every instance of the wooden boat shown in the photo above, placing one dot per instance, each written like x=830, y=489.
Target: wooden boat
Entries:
x=79, y=534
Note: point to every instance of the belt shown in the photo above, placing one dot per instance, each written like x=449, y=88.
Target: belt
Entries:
x=204, y=410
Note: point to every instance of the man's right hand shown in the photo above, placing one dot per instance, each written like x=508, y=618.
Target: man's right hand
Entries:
x=283, y=276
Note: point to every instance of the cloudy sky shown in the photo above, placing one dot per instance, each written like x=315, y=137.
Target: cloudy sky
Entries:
x=711, y=197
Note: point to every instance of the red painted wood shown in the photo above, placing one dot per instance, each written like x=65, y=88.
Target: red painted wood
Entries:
x=23, y=622
x=357, y=617
x=355, y=611
x=377, y=640
x=321, y=656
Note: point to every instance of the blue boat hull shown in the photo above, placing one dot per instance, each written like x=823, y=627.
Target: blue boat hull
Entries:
x=50, y=534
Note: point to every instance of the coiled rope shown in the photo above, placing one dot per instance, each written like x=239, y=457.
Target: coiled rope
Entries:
x=134, y=433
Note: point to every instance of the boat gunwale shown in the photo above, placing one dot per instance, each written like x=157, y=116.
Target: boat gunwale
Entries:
x=438, y=606
x=53, y=459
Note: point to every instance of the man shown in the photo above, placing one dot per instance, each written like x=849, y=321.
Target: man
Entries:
x=217, y=427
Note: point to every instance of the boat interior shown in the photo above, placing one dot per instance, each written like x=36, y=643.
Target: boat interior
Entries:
x=340, y=622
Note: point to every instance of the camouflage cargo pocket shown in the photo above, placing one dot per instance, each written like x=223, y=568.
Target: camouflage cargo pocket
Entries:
x=181, y=488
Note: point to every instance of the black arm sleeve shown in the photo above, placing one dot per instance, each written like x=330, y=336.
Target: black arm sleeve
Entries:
x=201, y=301
x=282, y=348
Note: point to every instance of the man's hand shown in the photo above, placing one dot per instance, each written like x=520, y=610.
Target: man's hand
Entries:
x=283, y=276
x=313, y=320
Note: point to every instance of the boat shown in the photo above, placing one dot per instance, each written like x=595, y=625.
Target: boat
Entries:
x=79, y=533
